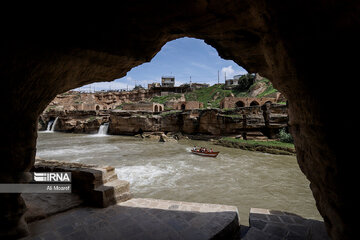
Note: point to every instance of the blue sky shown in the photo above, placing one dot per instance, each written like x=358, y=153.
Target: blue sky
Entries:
x=181, y=58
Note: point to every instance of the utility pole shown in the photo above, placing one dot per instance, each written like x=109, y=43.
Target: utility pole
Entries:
x=190, y=81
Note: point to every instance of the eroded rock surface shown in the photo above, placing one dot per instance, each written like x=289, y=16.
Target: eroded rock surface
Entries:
x=299, y=46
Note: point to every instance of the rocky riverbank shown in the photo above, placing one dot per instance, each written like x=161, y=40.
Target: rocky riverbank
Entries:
x=255, y=122
x=265, y=121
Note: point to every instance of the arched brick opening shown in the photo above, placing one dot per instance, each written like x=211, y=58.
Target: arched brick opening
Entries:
x=240, y=104
x=97, y=107
x=156, y=108
x=183, y=106
x=254, y=103
x=160, y=109
x=287, y=42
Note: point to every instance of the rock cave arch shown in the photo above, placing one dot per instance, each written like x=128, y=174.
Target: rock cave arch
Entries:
x=286, y=42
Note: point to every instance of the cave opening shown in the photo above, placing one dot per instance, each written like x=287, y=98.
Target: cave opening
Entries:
x=282, y=42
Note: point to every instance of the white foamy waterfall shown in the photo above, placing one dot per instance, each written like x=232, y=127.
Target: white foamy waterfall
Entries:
x=53, y=125
x=50, y=123
x=103, y=129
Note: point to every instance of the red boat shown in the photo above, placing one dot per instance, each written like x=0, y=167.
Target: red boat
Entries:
x=205, y=154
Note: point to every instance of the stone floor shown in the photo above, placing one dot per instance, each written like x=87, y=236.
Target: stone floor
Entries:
x=269, y=224
x=141, y=218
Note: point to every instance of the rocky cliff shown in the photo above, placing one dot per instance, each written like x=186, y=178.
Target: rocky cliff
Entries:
x=266, y=120
x=75, y=121
x=248, y=121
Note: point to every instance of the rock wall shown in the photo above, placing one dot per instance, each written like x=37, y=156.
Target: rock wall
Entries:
x=208, y=121
x=74, y=121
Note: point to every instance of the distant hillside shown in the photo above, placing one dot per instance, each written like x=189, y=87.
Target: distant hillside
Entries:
x=212, y=96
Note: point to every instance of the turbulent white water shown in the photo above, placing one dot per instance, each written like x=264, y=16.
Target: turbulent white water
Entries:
x=54, y=124
x=50, y=123
x=169, y=171
x=103, y=129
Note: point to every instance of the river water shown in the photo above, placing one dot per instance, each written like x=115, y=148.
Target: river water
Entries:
x=169, y=171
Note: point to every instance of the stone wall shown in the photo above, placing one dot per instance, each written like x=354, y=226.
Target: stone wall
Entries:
x=233, y=102
x=184, y=105
x=144, y=106
x=98, y=186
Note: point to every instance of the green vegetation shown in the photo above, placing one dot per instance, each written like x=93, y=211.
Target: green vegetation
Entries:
x=240, y=116
x=285, y=137
x=269, y=90
x=245, y=82
x=260, y=143
x=212, y=96
x=169, y=112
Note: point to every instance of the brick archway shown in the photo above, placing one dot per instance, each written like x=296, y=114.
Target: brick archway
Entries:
x=240, y=104
x=254, y=103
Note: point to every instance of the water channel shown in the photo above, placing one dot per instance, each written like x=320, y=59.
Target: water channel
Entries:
x=169, y=171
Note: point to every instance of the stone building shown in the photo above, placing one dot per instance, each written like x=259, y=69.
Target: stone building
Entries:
x=153, y=85
x=168, y=81
x=145, y=106
x=184, y=105
x=233, y=102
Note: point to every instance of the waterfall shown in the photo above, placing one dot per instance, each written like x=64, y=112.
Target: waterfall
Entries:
x=48, y=129
x=53, y=125
x=103, y=129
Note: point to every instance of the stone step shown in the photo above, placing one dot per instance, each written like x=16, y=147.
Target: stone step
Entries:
x=118, y=186
x=96, y=177
x=123, y=197
x=110, y=192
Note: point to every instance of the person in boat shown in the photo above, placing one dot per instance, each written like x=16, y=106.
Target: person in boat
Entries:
x=194, y=148
x=211, y=150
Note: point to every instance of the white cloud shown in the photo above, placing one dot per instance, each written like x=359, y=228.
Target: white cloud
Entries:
x=229, y=71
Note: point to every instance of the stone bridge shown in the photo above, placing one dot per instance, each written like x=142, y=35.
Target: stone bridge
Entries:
x=233, y=102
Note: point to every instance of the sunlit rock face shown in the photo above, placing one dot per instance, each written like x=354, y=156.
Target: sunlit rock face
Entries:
x=298, y=46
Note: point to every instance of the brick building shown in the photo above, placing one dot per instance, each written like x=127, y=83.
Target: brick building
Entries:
x=233, y=102
x=145, y=106
x=184, y=105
